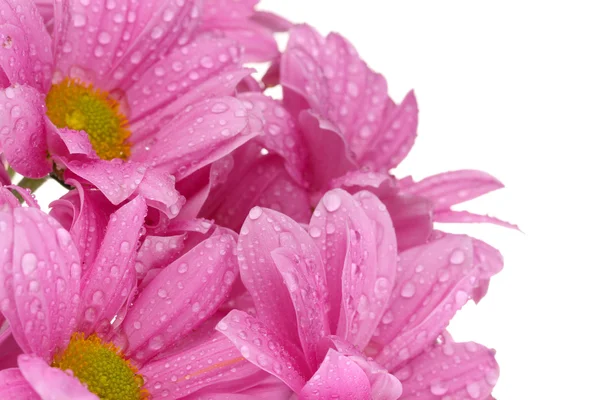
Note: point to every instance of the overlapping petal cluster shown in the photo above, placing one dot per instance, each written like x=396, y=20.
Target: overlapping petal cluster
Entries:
x=216, y=242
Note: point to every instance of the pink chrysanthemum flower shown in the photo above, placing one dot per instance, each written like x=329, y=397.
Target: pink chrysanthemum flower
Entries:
x=78, y=339
x=336, y=126
x=122, y=95
x=339, y=313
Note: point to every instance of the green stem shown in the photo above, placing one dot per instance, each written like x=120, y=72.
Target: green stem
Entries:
x=11, y=172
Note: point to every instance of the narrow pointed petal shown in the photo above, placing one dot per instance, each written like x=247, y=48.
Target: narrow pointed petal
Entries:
x=52, y=383
x=450, y=188
x=26, y=56
x=261, y=346
x=158, y=252
x=14, y=386
x=209, y=364
x=452, y=216
x=368, y=280
x=337, y=377
x=23, y=132
x=396, y=135
x=450, y=370
x=40, y=297
x=264, y=231
x=106, y=285
x=304, y=276
x=490, y=262
x=357, y=243
x=434, y=281
x=181, y=297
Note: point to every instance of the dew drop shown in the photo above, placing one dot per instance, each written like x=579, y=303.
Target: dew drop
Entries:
x=28, y=263
x=408, y=290
x=332, y=201
x=255, y=213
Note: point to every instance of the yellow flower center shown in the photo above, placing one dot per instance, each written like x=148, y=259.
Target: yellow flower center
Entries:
x=102, y=368
x=78, y=106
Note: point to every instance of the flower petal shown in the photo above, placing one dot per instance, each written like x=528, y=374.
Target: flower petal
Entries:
x=178, y=72
x=329, y=155
x=122, y=44
x=450, y=370
x=450, y=188
x=161, y=314
x=40, y=297
x=26, y=55
x=261, y=346
x=452, y=216
x=357, y=243
x=199, y=136
x=303, y=274
x=108, y=282
x=208, y=364
x=264, y=231
x=85, y=214
x=367, y=282
x=384, y=386
x=23, y=132
x=337, y=376
x=280, y=134
x=52, y=383
x=263, y=182
x=395, y=137
x=13, y=386
x=433, y=282
x=158, y=252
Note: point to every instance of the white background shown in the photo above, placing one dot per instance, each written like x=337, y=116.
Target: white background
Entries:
x=511, y=88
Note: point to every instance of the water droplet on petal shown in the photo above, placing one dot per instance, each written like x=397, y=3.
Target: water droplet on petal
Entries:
x=255, y=213
x=28, y=263
x=457, y=257
x=408, y=290
x=332, y=201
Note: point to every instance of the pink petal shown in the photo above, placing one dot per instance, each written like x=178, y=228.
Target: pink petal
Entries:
x=367, y=282
x=338, y=376
x=208, y=364
x=261, y=346
x=433, y=282
x=9, y=348
x=280, y=134
x=199, y=136
x=8, y=199
x=178, y=72
x=22, y=131
x=108, y=46
x=108, y=282
x=224, y=84
x=450, y=370
x=181, y=297
x=232, y=19
x=452, y=216
x=272, y=21
x=119, y=180
x=40, y=297
x=490, y=262
x=85, y=214
x=302, y=270
x=264, y=231
x=412, y=215
x=26, y=56
x=357, y=244
x=264, y=182
x=157, y=252
x=329, y=155
x=27, y=196
x=270, y=388
x=46, y=9
x=52, y=383
x=384, y=386
x=13, y=386
x=450, y=188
